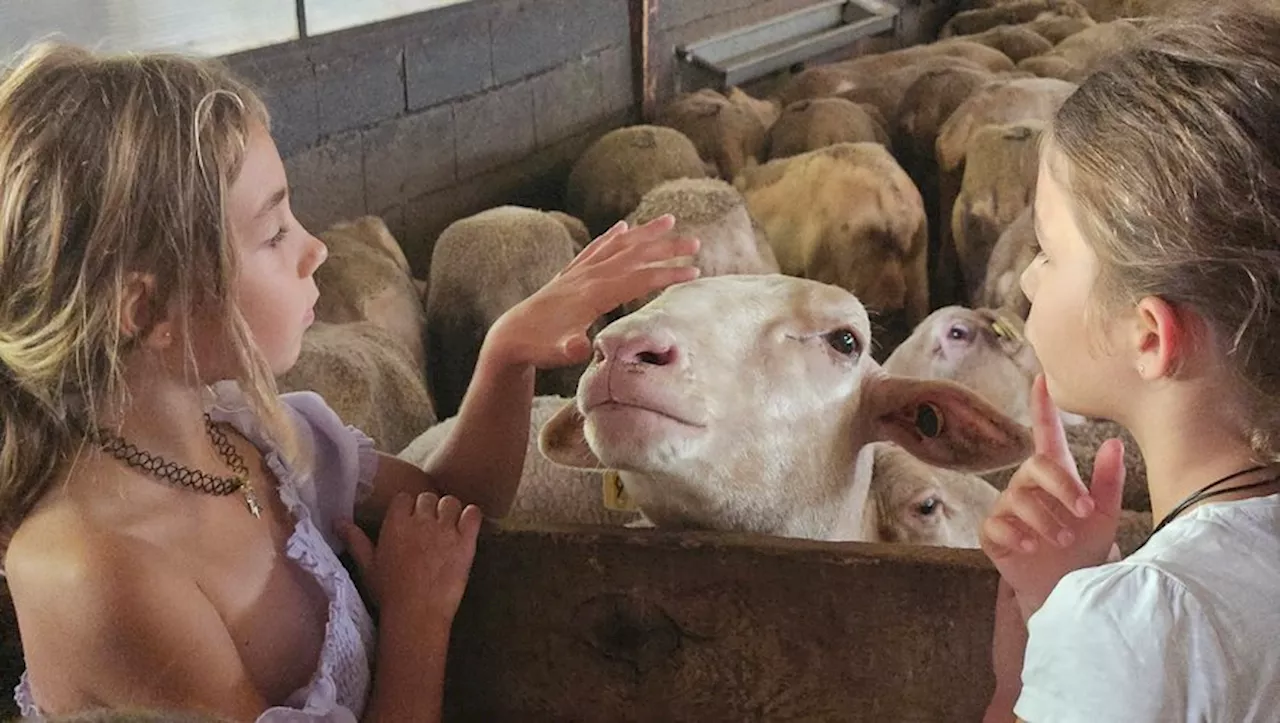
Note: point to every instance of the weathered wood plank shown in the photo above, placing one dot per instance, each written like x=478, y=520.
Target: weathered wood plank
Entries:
x=594, y=624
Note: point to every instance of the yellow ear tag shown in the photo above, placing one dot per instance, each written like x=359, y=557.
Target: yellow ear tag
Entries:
x=615, y=495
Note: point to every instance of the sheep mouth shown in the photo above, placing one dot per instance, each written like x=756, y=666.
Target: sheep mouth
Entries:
x=614, y=405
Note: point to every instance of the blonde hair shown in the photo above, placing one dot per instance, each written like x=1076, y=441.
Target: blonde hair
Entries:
x=1171, y=152
x=109, y=166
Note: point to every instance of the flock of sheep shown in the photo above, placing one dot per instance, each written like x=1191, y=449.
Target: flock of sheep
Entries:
x=849, y=366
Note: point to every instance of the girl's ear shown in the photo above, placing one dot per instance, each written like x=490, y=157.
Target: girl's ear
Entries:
x=1164, y=338
x=563, y=440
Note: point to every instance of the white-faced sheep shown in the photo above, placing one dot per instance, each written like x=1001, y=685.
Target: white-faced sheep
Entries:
x=765, y=421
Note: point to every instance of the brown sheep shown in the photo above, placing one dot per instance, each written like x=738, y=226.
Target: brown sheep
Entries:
x=1076, y=57
x=716, y=214
x=971, y=22
x=609, y=178
x=1015, y=41
x=766, y=111
x=1001, y=101
x=999, y=181
x=925, y=106
x=881, y=78
x=848, y=215
x=1055, y=28
x=819, y=122
x=367, y=278
x=728, y=137
x=483, y=265
x=369, y=379
x=1013, y=253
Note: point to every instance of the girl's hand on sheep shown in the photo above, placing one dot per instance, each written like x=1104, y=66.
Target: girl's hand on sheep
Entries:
x=1046, y=523
x=549, y=329
x=419, y=568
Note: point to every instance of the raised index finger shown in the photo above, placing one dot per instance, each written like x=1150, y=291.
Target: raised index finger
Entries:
x=1046, y=427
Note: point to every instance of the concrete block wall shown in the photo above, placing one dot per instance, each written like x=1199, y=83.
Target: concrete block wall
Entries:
x=431, y=117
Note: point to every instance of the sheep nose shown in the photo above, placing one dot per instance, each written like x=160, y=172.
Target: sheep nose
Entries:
x=649, y=349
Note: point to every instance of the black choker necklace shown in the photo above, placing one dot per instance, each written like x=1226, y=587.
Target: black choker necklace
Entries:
x=184, y=476
x=1208, y=491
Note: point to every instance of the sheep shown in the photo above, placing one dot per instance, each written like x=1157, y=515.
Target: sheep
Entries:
x=985, y=351
x=978, y=19
x=765, y=110
x=808, y=125
x=883, y=77
x=1015, y=41
x=481, y=266
x=925, y=106
x=1075, y=58
x=1014, y=251
x=367, y=376
x=999, y=182
x=608, y=179
x=916, y=503
x=548, y=493
x=367, y=278
x=848, y=215
x=716, y=214
x=1055, y=28
x=728, y=137
x=702, y=421
x=1001, y=101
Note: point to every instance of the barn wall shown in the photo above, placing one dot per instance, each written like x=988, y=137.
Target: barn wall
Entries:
x=435, y=116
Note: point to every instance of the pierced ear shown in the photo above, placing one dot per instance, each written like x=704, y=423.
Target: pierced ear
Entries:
x=1163, y=338
x=141, y=319
x=945, y=424
x=563, y=440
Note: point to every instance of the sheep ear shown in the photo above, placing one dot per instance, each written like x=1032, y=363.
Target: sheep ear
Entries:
x=945, y=424
x=563, y=441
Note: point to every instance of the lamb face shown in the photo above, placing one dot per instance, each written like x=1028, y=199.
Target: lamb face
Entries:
x=744, y=403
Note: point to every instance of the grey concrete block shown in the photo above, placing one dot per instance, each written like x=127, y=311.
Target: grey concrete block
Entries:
x=567, y=99
x=449, y=60
x=530, y=36
x=494, y=129
x=359, y=89
x=616, y=79
x=408, y=156
x=327, y=181
x=286, y=80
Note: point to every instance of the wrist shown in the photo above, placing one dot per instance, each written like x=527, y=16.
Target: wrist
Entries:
x=501, y=350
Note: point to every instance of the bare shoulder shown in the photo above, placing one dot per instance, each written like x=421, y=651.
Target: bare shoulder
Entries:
x=107, y=619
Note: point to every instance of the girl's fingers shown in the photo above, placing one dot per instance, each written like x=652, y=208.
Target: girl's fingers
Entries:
x=593, y=249
x=1041, y=513
x=426, y=504
x=448, y=510
x=663, y=248
x=1003, y=536
x=1044, y=473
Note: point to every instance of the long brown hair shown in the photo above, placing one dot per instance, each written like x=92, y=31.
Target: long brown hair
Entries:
x=109, y=166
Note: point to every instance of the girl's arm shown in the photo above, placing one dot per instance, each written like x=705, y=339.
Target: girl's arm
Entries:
x=482, y=459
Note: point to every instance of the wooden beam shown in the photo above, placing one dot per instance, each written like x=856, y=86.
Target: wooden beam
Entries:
x=643, y=14
x=609, y=624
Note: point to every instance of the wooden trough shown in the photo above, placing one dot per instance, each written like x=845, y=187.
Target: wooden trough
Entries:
x=595, y=624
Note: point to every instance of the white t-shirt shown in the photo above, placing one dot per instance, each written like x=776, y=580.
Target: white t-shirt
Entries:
x=1185, y=629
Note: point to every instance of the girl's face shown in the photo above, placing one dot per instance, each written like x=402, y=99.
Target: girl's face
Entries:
x=276, y=291
x=1077, y=350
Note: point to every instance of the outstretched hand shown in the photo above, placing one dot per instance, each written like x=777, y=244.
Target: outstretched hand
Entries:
x=1046, y=523
x=549, y=328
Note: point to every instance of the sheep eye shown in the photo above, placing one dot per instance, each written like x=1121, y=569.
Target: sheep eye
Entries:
x=958, y=333
x=928, y=506
x=843, y=341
